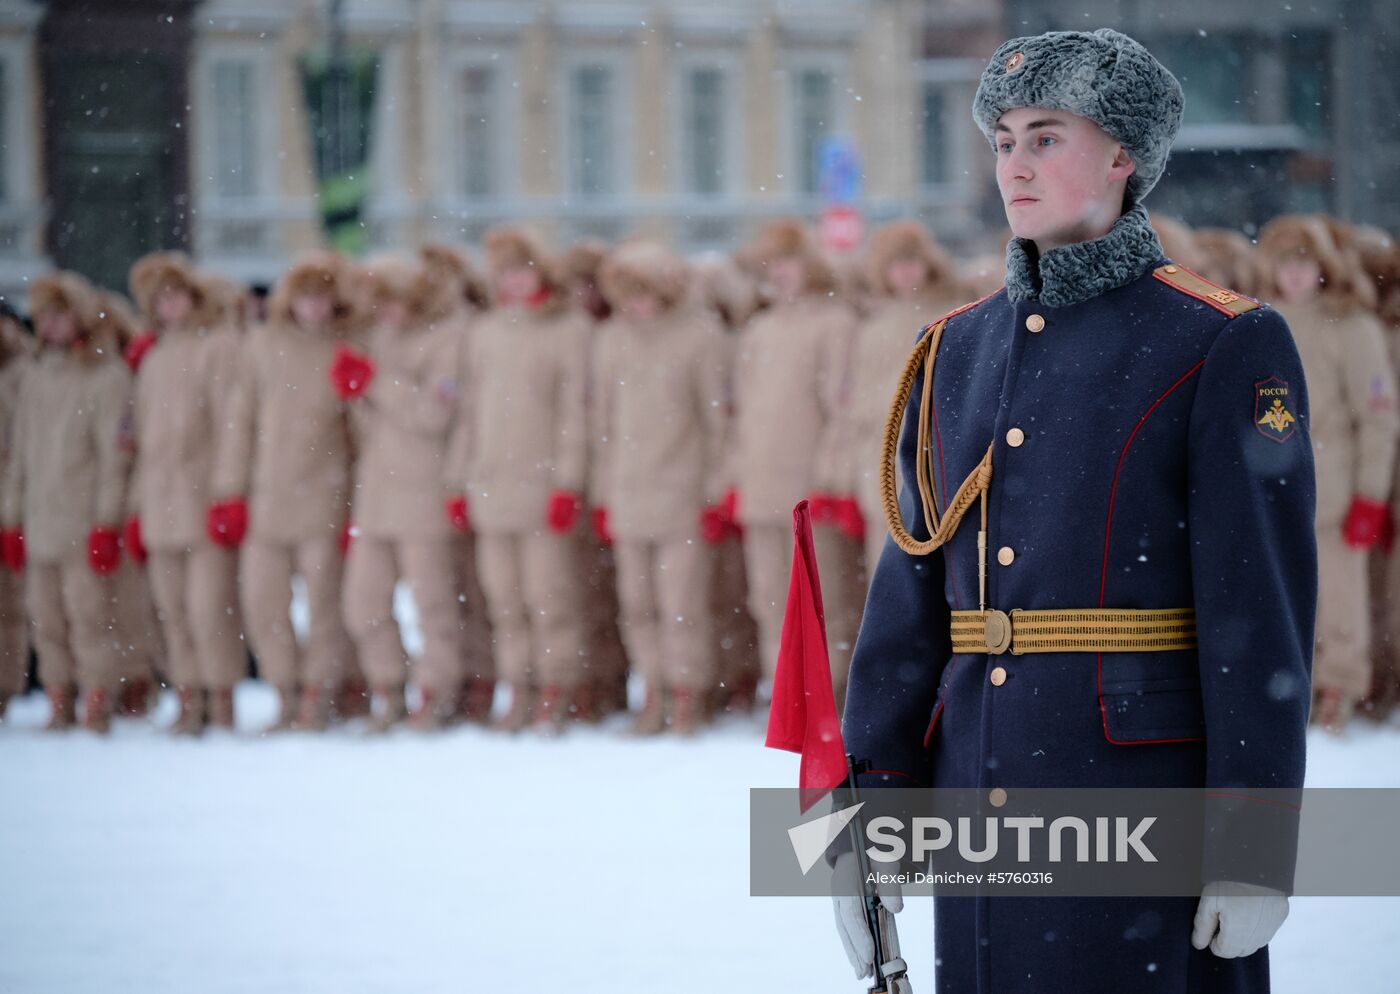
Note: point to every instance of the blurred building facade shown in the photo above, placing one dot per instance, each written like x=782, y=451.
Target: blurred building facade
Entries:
x=140, y=124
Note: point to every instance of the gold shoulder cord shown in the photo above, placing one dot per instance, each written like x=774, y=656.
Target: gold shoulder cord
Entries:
x=995, y=632
x=940, y=529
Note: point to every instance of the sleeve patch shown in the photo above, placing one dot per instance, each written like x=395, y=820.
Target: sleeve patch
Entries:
x=1273, y=415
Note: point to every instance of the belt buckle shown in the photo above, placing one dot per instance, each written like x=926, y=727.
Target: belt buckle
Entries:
x=997, y=632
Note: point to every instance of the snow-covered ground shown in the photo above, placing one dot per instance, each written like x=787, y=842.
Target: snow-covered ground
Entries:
x=466, y=861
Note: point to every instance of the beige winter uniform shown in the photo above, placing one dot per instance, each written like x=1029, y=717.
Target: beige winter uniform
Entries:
x=287, y=450
x=401, y=529
x=1352, y=397
x=14, y=641
x=790, y=384
x=182, y=393
x=66, y=477
x=660, y=416
x=524, y=437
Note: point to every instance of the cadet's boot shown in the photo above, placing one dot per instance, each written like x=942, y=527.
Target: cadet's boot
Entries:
x=1380, y=703
x=221, y=709
x=4, y=703
x=190, y=721
x=686, y=716
x=313, y=710
x=286, y=710
x=474, y=700
x=614, y=693
x=391, y=709
x=1333, y=711
x=434, y=710
x=62, y=708
x=518, y=714
x=134, y=699
x=552, y=709
x=352, y=701
x=585, y=707
x=652, y=718
x=97, y=711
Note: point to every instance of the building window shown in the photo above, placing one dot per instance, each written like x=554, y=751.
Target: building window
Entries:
x=1213, y=72
x=477, y=125
x=1309, y=72
x=593, y=141
x=936, y=158
x=235, y=131
x=704, y=146
x=816, y=106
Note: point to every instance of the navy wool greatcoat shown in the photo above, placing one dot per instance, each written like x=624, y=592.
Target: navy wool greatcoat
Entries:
x=1148, y=471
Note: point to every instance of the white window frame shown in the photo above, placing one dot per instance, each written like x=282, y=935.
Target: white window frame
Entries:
x=505, y=102
x=730, y=69
x=837, y=66
x=261, y=59
x=619, y=62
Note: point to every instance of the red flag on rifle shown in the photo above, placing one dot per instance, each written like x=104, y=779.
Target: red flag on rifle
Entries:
x=803, y=715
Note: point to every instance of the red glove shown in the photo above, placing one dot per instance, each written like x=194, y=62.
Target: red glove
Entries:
x=12, y=549
x=227, y=522
x=714, y=526
x=456, y=508
x=823, y=508
x=729, y=508
x=131, y=538
x=346, y=534
x=563, y=510
x=1387, y=541
x=137, y=348
x=350, y=372
x=600, y=525
x=1364, y=522
x=104, y=550
x=849, y=519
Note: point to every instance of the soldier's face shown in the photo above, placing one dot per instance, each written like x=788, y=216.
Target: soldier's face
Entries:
x=1061, y=176
x=312, y=310
x=173, y=305
x=641, y=306
x=57, y=326
x=787, y=276
x=906, y=275
x=1298, y=277
x=517, y=284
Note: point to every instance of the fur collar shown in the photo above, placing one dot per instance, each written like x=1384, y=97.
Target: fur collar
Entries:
x=1076, y=273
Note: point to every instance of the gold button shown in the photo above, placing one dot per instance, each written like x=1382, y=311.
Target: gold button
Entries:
x=1005, y=555
x=1035, y=322
x=998, y=676
x=1171, y=269
x=997, y=796
x=1015, y=437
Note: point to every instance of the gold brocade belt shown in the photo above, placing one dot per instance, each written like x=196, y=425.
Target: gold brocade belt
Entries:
x=1074, y=630
x=993, y=632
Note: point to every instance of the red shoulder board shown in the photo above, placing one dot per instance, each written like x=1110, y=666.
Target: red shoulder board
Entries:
x=1194, y=285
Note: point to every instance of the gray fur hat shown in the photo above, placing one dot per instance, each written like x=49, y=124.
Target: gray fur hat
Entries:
x=1103, y=75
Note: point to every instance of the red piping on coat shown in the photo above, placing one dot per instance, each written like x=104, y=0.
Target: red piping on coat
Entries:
x=1103, y=576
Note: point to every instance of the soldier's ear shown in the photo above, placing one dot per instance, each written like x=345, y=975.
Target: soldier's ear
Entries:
x=1122, y=166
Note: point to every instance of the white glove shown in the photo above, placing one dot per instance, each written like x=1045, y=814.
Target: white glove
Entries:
x=850, y=912
x=1248, y=916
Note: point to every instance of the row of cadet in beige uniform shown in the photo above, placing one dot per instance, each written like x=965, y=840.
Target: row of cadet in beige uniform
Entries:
x=465, y=441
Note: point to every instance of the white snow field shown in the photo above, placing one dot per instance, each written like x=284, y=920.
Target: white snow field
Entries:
x=466, y=861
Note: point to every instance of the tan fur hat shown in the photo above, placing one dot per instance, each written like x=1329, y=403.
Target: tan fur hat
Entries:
x=409, y=280
x=1295, y=235
x=644, y=266
x=116, y=321
x=1178, y=241
x=792, y=237
x=731, y=291
x=152, y=273
x=451, y=264
x=315, y=272
x=507, y=246
x=907, y=239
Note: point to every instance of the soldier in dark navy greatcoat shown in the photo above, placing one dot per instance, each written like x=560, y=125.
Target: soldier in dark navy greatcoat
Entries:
x=1133, y=442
